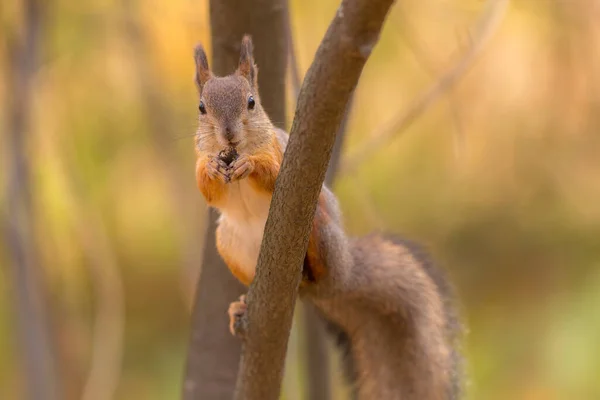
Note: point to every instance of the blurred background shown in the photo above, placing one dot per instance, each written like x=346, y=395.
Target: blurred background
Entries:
x=498, y=175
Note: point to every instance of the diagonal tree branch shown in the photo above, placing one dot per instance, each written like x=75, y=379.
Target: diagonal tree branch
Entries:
x=317, y=365
x=432, y=70
x=486, y=27
x=325, y=92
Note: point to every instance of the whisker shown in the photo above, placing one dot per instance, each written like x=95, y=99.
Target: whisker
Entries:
x=174, y=139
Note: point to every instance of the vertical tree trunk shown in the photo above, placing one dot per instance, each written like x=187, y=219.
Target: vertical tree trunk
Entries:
x=265, y=21
x=34, y=333
x=213, y=355
x=272, y=295
x=317, y=355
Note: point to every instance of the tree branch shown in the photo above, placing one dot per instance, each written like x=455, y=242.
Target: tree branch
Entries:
x=264, y=20
x=433, y=71
x=325, y=92
x=336, y=153
x=30, y=297
x=213, y=354
x=294, y=69
x=486, y=27
x=317, y=367
x=109, y=323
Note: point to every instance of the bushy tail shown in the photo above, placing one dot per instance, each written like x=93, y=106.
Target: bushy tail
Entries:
x=393, y=317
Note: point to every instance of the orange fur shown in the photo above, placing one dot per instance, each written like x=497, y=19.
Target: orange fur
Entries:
x=212, y=189
x=266, y=167
x=314, y=256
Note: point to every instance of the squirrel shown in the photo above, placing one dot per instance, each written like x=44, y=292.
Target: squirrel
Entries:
x=390, y=310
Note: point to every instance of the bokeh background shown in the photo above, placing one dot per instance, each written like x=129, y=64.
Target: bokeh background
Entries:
x=499, y=177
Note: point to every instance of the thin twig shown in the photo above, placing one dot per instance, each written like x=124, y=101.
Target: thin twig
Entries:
x=338, y=146
x=368, y=205
x=109, y=323
x=486, y=27
x=293, y=59
x=427, y=65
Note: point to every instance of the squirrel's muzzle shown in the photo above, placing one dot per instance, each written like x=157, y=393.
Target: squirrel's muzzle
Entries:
x=228, y=133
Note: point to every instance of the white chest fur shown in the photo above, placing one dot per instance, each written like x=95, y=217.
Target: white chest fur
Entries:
x=243, y=216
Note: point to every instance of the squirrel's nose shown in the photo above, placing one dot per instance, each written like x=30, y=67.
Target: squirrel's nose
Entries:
x=228, y=133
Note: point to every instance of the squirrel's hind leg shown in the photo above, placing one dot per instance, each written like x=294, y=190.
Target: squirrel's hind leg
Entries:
x=237, y=312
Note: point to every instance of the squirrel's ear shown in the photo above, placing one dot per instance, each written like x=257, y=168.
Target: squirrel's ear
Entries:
x=202, y=71
x=247, y=68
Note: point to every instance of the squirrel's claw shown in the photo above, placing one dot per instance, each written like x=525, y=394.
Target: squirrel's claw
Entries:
x=241, y=168
x=236, y=311
x=218, y=169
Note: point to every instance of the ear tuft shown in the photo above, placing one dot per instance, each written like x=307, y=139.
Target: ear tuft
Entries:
x=247, y=68
x=203, y=73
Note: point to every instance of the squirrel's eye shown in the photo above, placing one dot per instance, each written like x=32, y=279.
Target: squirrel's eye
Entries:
x=202, y=108
x=251, y=103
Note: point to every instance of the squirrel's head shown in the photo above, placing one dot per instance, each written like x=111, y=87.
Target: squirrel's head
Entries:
x=230, y=113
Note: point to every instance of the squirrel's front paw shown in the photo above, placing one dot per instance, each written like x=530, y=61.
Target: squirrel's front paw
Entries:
x=218, y=169
x=241, y=167
x=236, y=312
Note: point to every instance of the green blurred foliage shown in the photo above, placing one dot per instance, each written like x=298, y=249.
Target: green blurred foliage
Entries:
x=499, y=178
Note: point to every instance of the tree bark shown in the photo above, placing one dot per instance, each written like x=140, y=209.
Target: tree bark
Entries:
x=325, y=92
x=317, y=353
x=213, y=356
x=317, y=366
x=265, y=21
